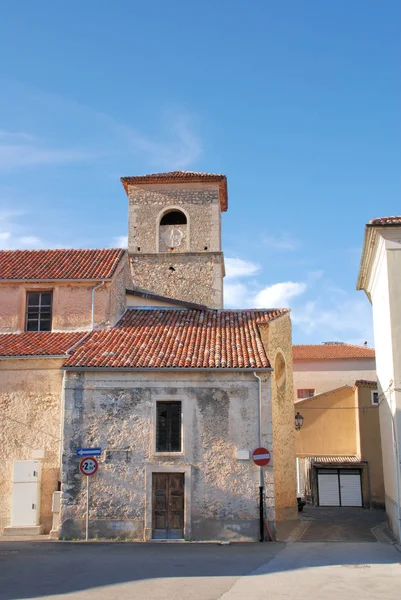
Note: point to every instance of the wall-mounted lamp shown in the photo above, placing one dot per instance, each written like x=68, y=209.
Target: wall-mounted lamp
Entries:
x=299, y=420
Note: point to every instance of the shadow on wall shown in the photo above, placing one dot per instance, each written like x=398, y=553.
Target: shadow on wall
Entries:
x=38, y=570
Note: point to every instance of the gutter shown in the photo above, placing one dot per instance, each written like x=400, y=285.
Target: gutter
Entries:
x=172, y=369
x=93, y=301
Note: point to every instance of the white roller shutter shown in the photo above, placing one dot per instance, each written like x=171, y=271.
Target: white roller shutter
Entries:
x=329, y=493
x=350, y=483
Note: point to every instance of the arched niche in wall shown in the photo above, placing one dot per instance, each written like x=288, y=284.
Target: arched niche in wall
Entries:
x=173, y=231
x=280, y=371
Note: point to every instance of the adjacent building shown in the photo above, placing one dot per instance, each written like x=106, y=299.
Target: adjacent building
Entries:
x=320, y=368
x=339, y=457
x=380, y=278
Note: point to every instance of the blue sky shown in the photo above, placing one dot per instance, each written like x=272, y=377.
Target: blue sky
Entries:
x=297, y=102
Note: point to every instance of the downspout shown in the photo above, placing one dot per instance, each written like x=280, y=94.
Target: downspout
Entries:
x=93, y=302
x=261, y=478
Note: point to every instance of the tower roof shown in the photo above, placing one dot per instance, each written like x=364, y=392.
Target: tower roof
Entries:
x=182, y=177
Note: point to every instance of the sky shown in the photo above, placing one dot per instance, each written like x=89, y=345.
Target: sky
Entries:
x=297, y=102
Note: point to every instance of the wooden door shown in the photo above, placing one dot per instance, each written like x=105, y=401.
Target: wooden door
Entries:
x=168, y=505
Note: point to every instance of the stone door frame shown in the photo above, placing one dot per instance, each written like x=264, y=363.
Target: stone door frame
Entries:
x=153, y=468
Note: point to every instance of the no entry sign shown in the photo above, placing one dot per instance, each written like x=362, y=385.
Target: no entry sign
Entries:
x=88, y=466
x=261, y=457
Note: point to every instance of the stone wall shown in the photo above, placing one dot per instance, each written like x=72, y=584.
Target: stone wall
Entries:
x=116, y=411
x=148, y=203
x=30, y=392
x=194, y=277
x=277, y=339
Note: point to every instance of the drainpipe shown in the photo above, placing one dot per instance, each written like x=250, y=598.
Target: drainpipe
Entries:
x=93, y=302
x=261, y=478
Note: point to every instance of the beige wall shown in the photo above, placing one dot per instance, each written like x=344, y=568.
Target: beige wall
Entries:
x=72, y=302
x=370, y=443
x=326, y=375
x=276, y=337
x=30, y=392
x=329, y=425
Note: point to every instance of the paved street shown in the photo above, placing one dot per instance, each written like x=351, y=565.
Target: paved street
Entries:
x=79, y=571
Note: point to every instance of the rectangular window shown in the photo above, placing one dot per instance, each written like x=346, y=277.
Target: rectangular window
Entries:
x=374, y=395
x=306, y=393
x=168, y=427
x=38, y=311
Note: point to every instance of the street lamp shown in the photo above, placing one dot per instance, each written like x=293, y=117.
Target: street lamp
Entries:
x=298, y=421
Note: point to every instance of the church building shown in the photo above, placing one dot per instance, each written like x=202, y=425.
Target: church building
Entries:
x=136, y=355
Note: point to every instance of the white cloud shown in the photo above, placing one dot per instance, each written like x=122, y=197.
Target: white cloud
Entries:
x=349, y=320
x=283, y=241
x=279, y=295
x=120, y=241
x=23, y=150
x=237, y=267
x=179, y=149
x=236, y=295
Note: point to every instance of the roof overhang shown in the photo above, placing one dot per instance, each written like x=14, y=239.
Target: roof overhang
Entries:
x=187, y=177
x=174, y=369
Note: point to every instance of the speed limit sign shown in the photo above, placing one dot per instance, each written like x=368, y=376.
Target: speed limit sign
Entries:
x=88, y=466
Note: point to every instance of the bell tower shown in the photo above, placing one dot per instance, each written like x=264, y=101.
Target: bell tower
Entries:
x=174, y=234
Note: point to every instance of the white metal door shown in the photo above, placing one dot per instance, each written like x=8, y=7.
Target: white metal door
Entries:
x=329, y=490
x=350, y=487
x=25, y=504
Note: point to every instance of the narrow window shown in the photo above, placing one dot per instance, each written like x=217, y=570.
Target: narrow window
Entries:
x=168, y=427
x=38, y=311
x=375, y=397
x=305, y=393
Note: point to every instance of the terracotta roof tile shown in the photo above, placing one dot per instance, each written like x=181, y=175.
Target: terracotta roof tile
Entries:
x=182, y=177
x=386, y=221
x=174, y=338
x=331, y=351
x=38, y=343
x=365, y=383
x=59, y=264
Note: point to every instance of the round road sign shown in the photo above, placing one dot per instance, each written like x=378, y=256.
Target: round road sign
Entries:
x=88, y=466
x=261, y=456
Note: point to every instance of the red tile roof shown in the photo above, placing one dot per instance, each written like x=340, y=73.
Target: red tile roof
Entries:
x=182, y=177
x=59, y=264
x=366, y=383
x=174, y=338
x=385, y=221
x=38, y=343
x=331, y=351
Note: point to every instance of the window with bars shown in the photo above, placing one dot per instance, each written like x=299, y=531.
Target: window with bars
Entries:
x=38, y=311
x=305, y=393
x=168, y=427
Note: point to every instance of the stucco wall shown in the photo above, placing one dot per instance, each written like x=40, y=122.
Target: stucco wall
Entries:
x=386, y=310
x=329, y=426
x=30, y=392
x=117, y=411
x=277, y=339
x=370, y=443
x=72, y=302
x=326, y=375
x=197, y=277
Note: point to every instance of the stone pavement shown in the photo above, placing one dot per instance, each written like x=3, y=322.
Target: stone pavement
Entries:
x=334, y=524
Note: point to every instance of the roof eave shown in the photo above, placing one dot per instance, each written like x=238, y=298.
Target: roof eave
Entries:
x=171, y=369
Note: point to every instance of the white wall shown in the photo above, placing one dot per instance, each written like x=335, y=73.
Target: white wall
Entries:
x=385, y=290
x=326, y=375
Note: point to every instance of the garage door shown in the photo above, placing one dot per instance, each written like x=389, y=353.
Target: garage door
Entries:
x=329, y=487
x=339, y=487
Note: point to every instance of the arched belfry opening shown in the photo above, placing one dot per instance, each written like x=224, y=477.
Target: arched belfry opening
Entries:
x=173, y=233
